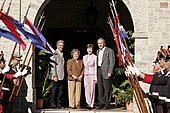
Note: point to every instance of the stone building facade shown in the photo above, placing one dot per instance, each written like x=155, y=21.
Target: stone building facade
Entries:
x=151, y=19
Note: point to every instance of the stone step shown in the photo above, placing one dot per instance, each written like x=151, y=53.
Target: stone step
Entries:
x=81, y=111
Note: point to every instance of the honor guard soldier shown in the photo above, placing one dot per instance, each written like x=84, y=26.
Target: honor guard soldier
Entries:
x=3, y=89
x=154, y=89
x=158, y=82
x=162, y=82
x=5, y=83
x=167, y=66
x=11, y=73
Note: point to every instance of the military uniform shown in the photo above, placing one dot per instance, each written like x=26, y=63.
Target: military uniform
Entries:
x=162, y=82
x=157, y=94
x=158, y=90
x=6, y=86
x=8, y=83
x=168, y=87
x=5, y=92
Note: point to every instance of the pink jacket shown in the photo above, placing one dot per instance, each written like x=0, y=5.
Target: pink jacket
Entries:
x=90, y=65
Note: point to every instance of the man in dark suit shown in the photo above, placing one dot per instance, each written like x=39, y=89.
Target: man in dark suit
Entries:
x=105, y=63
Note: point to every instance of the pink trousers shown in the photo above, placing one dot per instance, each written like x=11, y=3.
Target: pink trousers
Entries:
x=89, y=86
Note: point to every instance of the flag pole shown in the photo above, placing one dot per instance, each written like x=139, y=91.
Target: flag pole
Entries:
x=12, y=98
x=23, y=77
x=29, y=6
x=20, y=5
x=130, y=81
x=42, y=16
x=9, y=7
x=133, y=79
x=2, y=7
x=120, y=58
x=15, y=86
x=43, y=25
x=15, y=43
x=3, y=80
x=7, y=14
x=136, y=89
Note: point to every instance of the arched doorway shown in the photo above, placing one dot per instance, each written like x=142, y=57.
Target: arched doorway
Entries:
x=79, y=22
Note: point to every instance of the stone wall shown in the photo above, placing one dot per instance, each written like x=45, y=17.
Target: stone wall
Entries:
x=151, y=21
x=151, y=25
x=152, y=29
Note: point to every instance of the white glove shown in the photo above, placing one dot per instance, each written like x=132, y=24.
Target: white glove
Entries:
x=17, y=74
x=6, y=69
x=137, y=71
x=24, y=72
x=131, y=69
x=127, y=73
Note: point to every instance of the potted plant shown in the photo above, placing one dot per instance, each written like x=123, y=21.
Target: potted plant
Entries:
x=123, y=94
x=128, y=94
x=117, y=95
x=42, y=82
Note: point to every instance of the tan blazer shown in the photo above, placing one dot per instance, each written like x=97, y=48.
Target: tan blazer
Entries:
x=58, y=68
x=74, y=68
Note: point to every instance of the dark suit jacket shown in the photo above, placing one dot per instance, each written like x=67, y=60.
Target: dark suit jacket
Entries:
x=108, y=62
x=162, y=81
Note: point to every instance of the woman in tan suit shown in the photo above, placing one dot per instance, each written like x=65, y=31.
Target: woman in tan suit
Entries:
x=75, y=74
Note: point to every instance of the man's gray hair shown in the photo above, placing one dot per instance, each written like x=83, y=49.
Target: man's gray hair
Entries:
x=60, y=41
x=102, y=39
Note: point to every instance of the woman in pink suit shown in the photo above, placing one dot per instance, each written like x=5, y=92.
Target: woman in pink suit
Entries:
x=90, y=75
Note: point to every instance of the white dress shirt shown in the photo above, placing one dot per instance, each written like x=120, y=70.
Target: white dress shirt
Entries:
x=61, y=53
x=100, y=56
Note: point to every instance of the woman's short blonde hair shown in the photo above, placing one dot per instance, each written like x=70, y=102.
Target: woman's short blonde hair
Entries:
x=74, y=51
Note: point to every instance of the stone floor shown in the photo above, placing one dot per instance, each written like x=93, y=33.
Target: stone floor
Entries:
x=81, y=111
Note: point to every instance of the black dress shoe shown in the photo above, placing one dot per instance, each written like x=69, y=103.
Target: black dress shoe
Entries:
x=90, y=108
x=78, y=107
x=59, y=107
x=100, y=107
x=106, y=107
x=52, y=107
x=73, y=107
x=62, y=107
